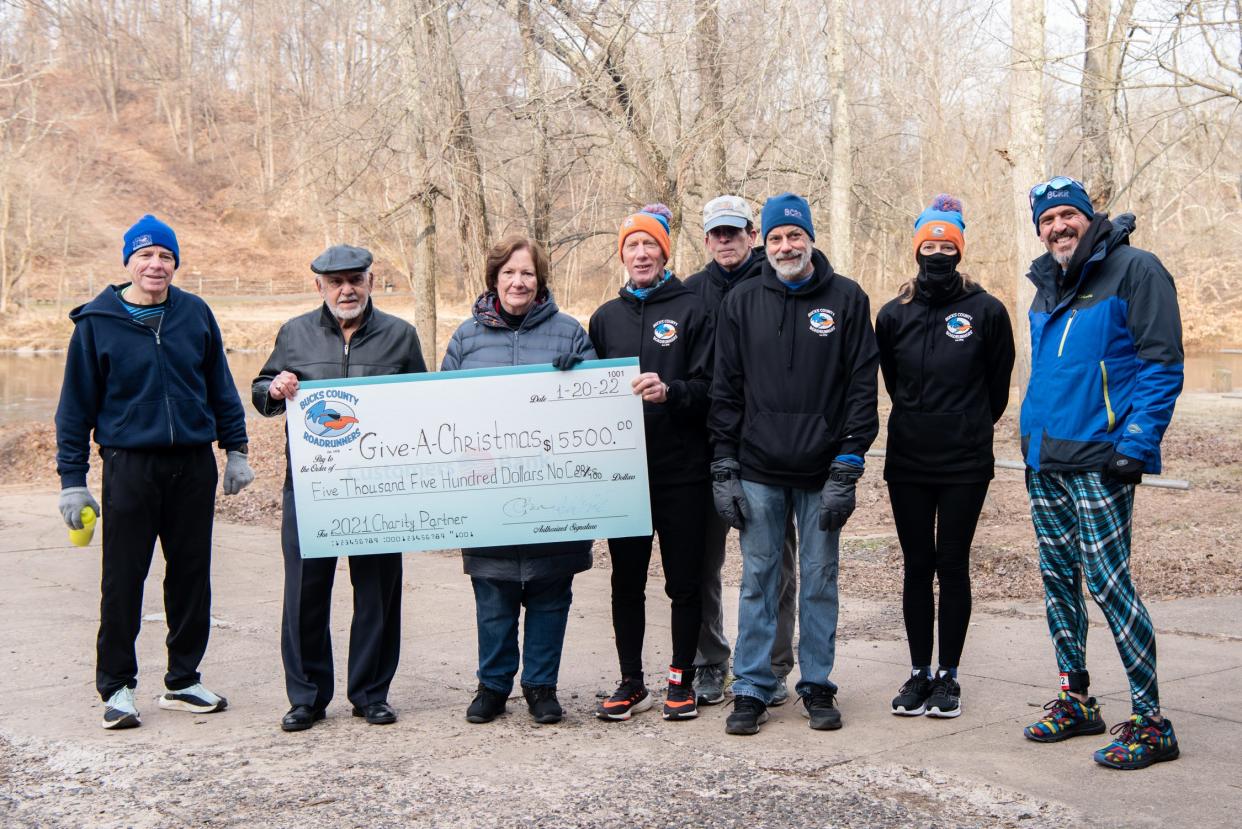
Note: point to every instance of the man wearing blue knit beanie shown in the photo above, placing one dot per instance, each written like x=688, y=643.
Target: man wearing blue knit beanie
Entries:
x=1106, y=371
x=793, y=413
x=146, y=372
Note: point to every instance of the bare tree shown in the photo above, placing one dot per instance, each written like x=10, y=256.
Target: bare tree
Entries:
x=1026, y=159
x=842, y=230
x=1101, y=82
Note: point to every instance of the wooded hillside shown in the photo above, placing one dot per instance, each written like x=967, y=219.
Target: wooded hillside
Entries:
x=264, y=129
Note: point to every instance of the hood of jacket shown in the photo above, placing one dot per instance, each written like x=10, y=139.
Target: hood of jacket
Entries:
x=667, y=290
x=106, y=303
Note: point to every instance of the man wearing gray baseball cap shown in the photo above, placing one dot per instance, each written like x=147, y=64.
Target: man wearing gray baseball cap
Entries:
x=730, y=237
x=344, y=337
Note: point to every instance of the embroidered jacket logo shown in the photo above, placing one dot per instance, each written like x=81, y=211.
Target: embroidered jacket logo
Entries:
x=958, y=326
x=664, y=332
x=823, y=321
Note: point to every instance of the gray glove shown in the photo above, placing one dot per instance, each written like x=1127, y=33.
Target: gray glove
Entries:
x=237, y=473
x=727, y=493
x=72, y=500
x=836, y=499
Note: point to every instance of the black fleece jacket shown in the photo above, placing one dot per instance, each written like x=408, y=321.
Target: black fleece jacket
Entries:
x=946, y=365
x=795, y=379
x=713, y=283
x=671, y=333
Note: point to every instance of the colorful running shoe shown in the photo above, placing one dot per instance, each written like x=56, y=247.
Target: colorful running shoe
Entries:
x=1139, y=742
x=1066, y=717
x=681, y=702
x=631, y=697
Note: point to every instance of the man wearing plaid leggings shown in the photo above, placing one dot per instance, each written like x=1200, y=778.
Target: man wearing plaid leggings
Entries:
x=1106, y=370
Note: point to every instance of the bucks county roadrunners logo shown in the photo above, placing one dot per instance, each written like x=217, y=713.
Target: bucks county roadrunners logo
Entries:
x=665, y=332
x=330, y=418
x=958, y=326
x=823, y=322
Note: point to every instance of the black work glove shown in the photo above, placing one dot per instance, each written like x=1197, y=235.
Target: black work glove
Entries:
x=836, y=499
x=727, y=493
x=1124, y=469
x=566, y=361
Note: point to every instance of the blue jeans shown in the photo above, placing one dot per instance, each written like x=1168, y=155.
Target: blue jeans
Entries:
x=496, y=605
x=762, y=540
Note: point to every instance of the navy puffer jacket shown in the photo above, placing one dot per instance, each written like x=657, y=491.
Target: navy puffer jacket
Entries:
x=486, y=341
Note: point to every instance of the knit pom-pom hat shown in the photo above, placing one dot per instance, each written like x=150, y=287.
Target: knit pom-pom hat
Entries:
x=941, y=222
x=652, y=219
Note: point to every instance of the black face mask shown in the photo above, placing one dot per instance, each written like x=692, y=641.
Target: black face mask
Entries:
x=938, y=269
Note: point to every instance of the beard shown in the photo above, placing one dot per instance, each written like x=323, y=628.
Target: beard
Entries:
x=790, y=269
x=346, y=313
x=1063, y=259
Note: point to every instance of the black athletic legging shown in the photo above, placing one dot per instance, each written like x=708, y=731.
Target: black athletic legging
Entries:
x=935, y=525
x=679, y=517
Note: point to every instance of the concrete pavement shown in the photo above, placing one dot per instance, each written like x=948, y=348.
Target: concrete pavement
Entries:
x=58, y=767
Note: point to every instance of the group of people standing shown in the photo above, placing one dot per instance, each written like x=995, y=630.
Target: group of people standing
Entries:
x=758, y=379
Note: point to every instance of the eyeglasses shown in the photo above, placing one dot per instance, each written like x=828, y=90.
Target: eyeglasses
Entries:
x=1054, y=183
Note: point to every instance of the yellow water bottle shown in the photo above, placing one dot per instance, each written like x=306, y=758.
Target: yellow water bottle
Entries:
x=83, y=536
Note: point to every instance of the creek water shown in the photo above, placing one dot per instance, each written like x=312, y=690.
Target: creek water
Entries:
x=30, y=384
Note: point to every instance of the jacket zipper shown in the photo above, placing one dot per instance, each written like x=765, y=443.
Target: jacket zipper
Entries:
x=1065, y=333
x=159, y=356
x=1108, y=404
x=345, y=359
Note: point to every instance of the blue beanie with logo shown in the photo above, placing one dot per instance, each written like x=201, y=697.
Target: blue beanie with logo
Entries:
x=1057, y=191
x=786, y=209
x=149, y=231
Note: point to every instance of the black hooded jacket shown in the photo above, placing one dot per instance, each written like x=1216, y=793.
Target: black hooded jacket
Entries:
x=946, y=365
x=671, y=333
x=795, y=378
x=713, y=283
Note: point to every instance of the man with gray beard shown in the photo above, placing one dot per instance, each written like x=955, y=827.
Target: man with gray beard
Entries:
x=793, y=414
x=1106, y=371
x=344, y=337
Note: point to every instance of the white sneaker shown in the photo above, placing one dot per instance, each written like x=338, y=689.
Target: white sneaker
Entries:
x=120, y=710
x=195, y=699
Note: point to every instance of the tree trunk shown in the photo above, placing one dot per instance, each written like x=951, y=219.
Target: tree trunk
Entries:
x=711, y=94
x=187, y=76
x=465, y=166
x=1101, y=83
x=541, y=186
x=1026, y=157
x=416, y=55
x=841, y=241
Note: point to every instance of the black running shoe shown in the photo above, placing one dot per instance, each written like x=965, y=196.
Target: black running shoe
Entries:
x=544, y=707
x=631, y=697
x=486, y=706
x=911, y=700
x=819, y=705
x=945, y=699
x=748, y=714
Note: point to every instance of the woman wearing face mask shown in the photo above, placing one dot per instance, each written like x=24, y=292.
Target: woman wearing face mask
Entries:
x=666, y=326
x=516, y=322
x=946, y=352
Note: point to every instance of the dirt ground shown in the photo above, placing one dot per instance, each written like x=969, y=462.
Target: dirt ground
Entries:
x=1186, y=543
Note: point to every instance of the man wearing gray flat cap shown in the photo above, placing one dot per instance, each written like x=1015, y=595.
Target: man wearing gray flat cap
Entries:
x=344, y=337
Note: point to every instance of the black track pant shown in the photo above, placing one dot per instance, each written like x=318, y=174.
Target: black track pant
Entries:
x=678, y=516
x=305, y=636
x=935, y=524
x=169, y=495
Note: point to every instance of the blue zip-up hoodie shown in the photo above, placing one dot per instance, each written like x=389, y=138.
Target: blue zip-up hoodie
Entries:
x=138, y=388
x=1106, y=357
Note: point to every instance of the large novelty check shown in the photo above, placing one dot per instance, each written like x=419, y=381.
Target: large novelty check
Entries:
x=518, y=455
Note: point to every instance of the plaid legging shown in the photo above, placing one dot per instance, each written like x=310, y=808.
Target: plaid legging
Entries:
x=1082, y=522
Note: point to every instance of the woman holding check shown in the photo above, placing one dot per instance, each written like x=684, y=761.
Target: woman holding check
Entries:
x=515, y=321
x=665, y=325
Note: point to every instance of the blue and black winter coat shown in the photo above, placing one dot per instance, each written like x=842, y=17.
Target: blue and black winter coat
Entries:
x=1106, y=356
x=141, y=388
